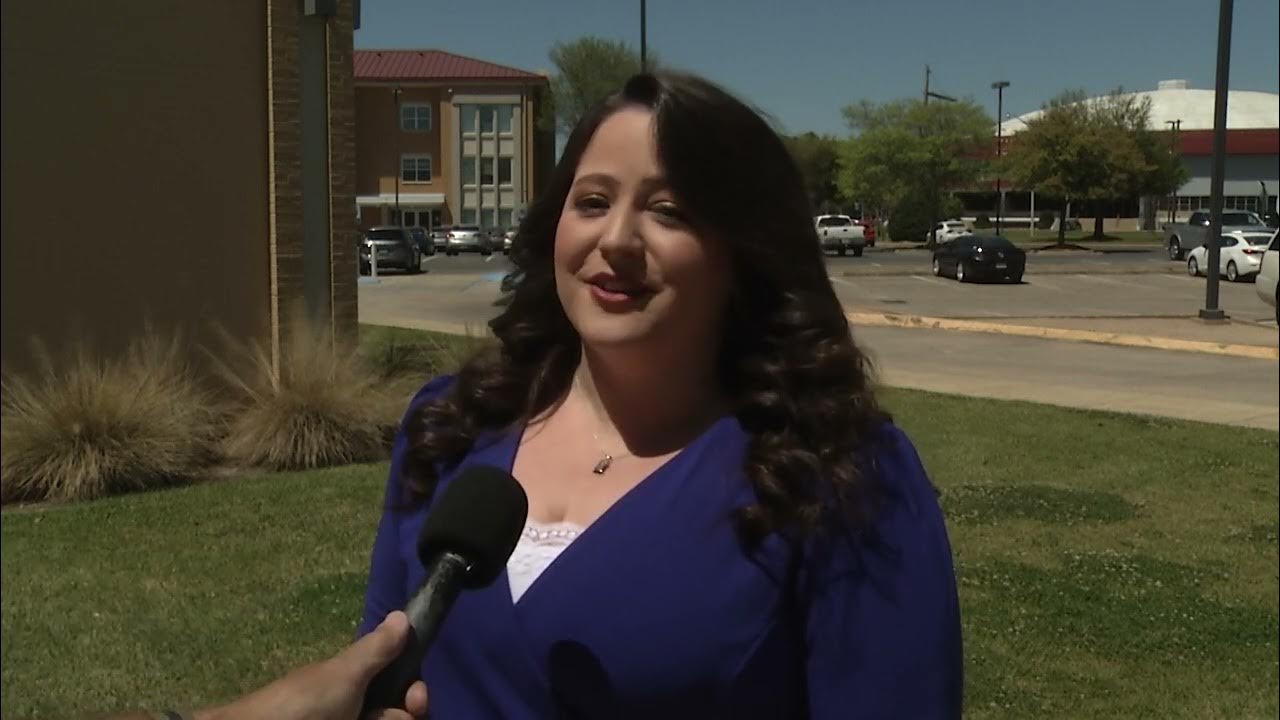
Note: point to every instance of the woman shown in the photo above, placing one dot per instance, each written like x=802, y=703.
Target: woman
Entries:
x=722, y=522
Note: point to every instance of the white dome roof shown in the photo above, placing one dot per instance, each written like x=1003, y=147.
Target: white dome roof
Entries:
x=1246, y=109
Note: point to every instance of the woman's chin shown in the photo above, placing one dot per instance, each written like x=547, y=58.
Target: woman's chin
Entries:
x=614, y=332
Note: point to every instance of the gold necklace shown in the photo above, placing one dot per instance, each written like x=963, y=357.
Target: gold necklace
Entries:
x=603, y=464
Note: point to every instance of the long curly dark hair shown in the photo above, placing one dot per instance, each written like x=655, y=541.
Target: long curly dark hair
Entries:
x=798, y=385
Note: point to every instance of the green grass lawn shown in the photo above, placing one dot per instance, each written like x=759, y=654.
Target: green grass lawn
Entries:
x=1109, y=567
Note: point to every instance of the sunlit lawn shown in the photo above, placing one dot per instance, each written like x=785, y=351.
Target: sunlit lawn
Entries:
x=1109, y=566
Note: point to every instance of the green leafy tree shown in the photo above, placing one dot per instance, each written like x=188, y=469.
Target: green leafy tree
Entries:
x=815, y=155
x=587, y=71
x=907, y=154
x=1093, y=150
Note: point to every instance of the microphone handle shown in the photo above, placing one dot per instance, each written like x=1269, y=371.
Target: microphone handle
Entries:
x=426, y=611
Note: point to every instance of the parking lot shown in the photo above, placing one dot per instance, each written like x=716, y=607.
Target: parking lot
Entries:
x=1057, y=284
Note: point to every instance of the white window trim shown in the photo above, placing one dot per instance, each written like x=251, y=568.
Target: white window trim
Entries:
x=431, y=168
x=431, y=116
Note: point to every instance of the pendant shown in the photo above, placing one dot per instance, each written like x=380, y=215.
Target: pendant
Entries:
x=603, y=465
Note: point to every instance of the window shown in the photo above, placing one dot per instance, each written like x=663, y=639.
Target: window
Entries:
x=504, y=118
x=468, y=170
x=834, y=221
x=487, y=217
x=486, y=171
x=504, y=171
x=415, y=117
x=504, y=218
x=468, y=216
x=486, y=118
x=467, y=113
x=415, y=168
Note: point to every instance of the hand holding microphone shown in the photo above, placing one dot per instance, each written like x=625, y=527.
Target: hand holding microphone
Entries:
x=465, y=542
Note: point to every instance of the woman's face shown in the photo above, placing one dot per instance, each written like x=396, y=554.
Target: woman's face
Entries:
x=630, y=271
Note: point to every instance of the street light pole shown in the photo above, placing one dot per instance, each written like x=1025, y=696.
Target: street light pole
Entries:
x=1174, y=127
x=933, y=202
x=395, y=94
x=644, y=44
x=999, y=87
x=1211, y=311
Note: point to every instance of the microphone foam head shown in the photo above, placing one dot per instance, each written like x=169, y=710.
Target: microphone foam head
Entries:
x=479, y=515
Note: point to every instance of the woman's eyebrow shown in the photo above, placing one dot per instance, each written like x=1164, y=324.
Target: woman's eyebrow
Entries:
x=604, y=179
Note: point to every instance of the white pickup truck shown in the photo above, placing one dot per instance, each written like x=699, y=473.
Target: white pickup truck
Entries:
x=841, y=234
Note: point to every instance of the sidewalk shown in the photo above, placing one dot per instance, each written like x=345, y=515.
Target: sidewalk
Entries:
x=1185, y=334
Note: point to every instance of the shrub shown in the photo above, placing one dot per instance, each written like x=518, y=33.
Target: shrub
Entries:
x=322, y=406
x=96, y=427
x=982, y=222
x=910, y=220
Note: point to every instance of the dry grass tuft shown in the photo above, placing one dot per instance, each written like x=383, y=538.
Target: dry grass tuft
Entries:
x=324, y=406
x=94, y=427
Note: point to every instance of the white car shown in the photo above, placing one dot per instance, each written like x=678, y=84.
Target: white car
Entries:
x=1239, y=259
x=1267, y=276
x=948, y=230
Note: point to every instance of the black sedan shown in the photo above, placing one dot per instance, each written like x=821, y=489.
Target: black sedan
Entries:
x=971, y=258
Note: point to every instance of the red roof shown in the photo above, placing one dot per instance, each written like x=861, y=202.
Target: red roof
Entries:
x=409, y=65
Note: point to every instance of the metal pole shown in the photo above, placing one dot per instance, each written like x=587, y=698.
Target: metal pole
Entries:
x=1211, y=311
x=644, y=44
x=399, y=163
x=999, y=86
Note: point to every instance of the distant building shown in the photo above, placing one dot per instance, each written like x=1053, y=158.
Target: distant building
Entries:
x=444, y=139
x=185, y=166
x=1186, y=114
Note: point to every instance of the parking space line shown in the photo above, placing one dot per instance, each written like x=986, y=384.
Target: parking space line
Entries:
x=1039, y=282
x=934, y=280
x=490, y=258
x=1103, y=280
x=429, y=258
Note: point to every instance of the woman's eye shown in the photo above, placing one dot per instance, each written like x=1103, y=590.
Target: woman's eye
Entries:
x=592, y=203
x=668, y=212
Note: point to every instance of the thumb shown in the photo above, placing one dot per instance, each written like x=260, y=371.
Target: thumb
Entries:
x=366, y=656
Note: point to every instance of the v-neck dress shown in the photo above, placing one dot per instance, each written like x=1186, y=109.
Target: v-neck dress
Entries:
x=655, y=610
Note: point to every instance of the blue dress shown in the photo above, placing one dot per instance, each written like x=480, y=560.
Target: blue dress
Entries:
x=656, y=611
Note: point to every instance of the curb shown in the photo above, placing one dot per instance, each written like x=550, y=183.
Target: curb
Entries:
x=1031, y=270
x=921, y=322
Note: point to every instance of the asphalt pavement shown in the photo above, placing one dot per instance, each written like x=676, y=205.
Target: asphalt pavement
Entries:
x=459, y=293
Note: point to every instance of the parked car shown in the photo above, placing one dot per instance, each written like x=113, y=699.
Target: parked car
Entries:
x=395, y=248
x=972, y=258
x=423, y=241
x=467, y=238
x=507, y=238
x=840, y=234
x=440, y=238
x=1268, y=274
x=948, y=230
x=1239, y=259
x=1180, y=237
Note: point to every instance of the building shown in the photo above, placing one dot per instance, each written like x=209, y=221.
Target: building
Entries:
x=187, y=169
x=1185, y=114
x=443, y=139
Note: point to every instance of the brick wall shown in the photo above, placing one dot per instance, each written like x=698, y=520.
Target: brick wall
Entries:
x=285, y=161
x=342, y=174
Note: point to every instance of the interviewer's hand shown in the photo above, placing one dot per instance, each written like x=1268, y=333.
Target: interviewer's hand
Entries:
x=332, y=689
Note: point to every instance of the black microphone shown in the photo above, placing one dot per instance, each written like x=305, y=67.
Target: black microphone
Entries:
x=465, y=543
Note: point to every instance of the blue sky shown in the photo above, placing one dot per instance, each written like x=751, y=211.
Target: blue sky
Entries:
x=803, y=61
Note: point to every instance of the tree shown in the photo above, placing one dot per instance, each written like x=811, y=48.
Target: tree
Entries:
x=588, y=71
x=907, y=149
x=1093, y=149
x=815, y=155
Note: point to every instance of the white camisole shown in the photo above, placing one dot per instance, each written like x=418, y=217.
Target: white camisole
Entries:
x=539, y=545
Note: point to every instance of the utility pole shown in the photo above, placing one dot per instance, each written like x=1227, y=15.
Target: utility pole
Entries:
x=999, y=87
x=933, y=202
x=644, y=39
x=1211, y=311
x=1174, y=127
